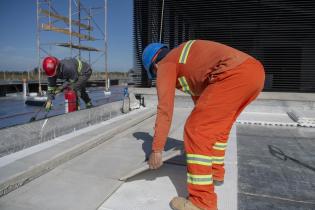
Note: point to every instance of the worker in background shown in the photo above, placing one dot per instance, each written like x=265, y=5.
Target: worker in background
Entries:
x=73, y=71
x=222, y=81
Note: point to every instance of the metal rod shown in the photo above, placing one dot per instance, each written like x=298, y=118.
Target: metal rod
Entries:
x=96, y=25
x=38, y=46
x=79, y=16
x=90, y=13
x=49, y=21
x=93, y=62
x=161, y=26
x=105, y=47
x=70, y=26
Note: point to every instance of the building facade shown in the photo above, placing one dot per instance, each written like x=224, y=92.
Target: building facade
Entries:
x=281, y=34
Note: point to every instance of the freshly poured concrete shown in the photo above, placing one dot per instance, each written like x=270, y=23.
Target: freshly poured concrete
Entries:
x=153, y=190
x=27, y=168
x=96, y=172
x=88, y=180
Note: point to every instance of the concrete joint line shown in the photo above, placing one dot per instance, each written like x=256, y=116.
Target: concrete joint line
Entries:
x=110, y=194
x=16, y=180
x=276, y=198
x=144, y=166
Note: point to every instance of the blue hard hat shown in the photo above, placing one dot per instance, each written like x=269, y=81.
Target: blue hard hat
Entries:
x=147, y=56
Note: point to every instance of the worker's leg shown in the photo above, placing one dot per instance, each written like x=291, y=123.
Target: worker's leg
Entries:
x=252, y=71
x=213, y=114
x=80, y=85
x=85, y=97
x=221, y=145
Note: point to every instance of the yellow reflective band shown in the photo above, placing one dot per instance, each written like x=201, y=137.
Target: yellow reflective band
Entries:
x=217, y=160
x=51, y=88
x=199, y=162
x=199, y=159
x=199, y=179
x=199, y=156
x=220, y=146
x=185, y=51
x=79, y=66
x=185, y=86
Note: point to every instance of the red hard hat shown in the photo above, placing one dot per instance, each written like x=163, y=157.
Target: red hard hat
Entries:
x=50, y=65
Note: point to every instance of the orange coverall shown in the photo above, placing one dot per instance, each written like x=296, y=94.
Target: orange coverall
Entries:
x=222, y=82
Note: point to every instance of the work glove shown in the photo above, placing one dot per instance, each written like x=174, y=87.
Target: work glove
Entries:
x=155, y=160
x=58, y=90
x=48, y=105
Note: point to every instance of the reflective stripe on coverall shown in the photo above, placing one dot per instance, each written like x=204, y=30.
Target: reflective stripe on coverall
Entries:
x=217, y=106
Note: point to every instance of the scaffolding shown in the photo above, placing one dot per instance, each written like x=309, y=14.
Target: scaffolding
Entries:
x=80, y=27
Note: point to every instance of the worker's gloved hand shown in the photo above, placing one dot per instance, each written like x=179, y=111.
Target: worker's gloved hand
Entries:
x=48, y=105
x=58, y=90
x=155, y=160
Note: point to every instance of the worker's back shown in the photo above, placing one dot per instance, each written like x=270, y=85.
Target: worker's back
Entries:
x=197, y=60
x=70, y=68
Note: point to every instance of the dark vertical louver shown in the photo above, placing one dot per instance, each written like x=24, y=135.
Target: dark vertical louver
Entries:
x=280, y=33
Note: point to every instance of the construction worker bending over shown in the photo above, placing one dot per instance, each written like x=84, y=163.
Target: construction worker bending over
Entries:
x=222, y=81
x=73, y=71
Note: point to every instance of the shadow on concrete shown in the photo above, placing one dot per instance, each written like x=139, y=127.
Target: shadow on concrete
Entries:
x=148, y=139
x=278, y=153
x=178, y=180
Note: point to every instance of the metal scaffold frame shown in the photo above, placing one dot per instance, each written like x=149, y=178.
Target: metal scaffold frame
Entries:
x=77, y=25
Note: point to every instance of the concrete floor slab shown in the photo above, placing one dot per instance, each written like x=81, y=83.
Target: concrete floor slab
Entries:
x=150, y=190
x=252, y=201
x=27, y=168
x=97, y=170
x=275, y=169
x=130, y=149
x=264, y=181
x=155, y=188
x=61, y=189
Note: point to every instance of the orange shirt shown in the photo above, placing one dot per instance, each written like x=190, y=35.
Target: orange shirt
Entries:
x=188, y=67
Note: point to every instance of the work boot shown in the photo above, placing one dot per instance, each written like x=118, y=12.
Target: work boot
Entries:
x=179, y=203
x=89, y=105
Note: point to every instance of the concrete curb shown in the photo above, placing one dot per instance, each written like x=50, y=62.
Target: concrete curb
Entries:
x=19, y=137
x=26, y=169
x=284, y=96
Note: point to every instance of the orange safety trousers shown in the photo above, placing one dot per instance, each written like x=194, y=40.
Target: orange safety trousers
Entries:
x=208, y=126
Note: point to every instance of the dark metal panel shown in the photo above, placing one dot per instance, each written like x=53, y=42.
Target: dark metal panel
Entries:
x=280, y=33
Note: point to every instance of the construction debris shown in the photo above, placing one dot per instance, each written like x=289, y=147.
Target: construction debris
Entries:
x=304, y=118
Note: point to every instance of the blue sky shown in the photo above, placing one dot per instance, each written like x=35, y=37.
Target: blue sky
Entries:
x=18, y=34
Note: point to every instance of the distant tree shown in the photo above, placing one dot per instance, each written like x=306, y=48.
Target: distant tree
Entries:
x=35, y=70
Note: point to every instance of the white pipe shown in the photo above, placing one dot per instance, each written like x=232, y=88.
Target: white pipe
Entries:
x=105, y=46
x=70, y=26
x=24, y=89
x=38, y=48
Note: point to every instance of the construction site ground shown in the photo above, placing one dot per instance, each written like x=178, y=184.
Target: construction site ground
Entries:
x=270, y=164
x=14, y=111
